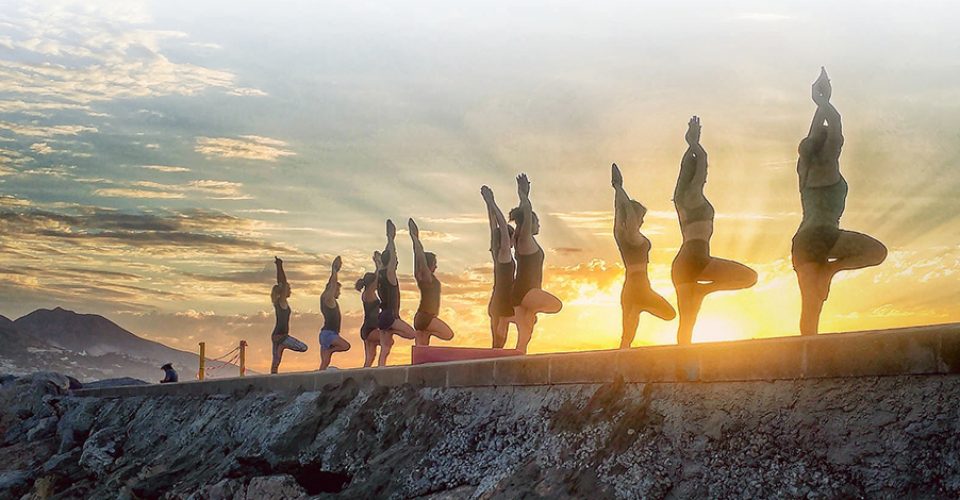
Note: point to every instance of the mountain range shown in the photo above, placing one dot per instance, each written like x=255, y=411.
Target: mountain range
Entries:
x=87, y=347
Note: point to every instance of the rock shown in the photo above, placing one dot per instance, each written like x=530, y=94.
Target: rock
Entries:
x=100, y=451
x=14, y=483
x=277, y=487
x=44, y=428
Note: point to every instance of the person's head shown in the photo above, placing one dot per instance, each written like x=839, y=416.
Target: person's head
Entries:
x=431, y=261
x=167, y=366
x=365, y=281
x=385, y=258
x=516, y=215
x=640, y=210
x=279, y=292
x=336, y=290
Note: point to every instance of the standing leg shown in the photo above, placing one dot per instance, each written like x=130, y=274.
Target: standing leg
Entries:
x=386, y=342
x=689, y=300
x=500, y=327
x=631, y=319
x=370, y=348
x=277, y=355
x=325, y=355
x=810, y=277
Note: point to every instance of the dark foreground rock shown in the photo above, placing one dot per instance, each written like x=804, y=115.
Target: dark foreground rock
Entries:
x=872, y=437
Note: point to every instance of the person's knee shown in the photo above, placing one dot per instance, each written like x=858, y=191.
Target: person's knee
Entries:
x=751, y=277
x=669, y=314
x=879, y=253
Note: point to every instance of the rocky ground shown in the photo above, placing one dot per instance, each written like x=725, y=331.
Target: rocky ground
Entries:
x=873, y=437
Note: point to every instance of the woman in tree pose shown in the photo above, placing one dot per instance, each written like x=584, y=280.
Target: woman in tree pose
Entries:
x=369, y=333
x=330, y=339
x=426, y=322
x=820, y=248
x=281, y=332
x=528, y=297
x=388, y=288
x=695, y=272
x=637, y=295
x=500, y=309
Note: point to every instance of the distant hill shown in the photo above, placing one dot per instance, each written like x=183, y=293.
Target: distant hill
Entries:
x=88, y=347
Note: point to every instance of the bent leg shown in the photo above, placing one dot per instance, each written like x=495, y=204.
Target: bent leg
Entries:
x=440, y=329
x=855, y=250
x=723, y=274
x=340, y=344
x=655, y=304
x=401, y=328
x=539, y=301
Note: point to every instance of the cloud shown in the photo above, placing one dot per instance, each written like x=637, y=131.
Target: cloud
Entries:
x=45, y=131
x=246, y=147
x=272, y=211
x=137, y=194
x=167, y=169
x=210, y=189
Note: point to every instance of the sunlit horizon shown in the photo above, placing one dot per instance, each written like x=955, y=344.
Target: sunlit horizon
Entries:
x=155, y=156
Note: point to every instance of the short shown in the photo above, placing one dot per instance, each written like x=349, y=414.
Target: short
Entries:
x=327, y=337
x=421, y=321
x=365, y=331
x=501, y=304
x=289, y=342
x=814, y=244
x=636, y=290
x=692, y=259
x=386, y=319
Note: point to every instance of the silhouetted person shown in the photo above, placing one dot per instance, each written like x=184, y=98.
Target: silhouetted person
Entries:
x=330, y=339
x=369, y=333
x=169, y=374
x=426, y=321
x=500, y=308
x=389, y=323
x=820, y=248
x=280, y=337
x=695, y=272
x=637, y=295
x=529, y=299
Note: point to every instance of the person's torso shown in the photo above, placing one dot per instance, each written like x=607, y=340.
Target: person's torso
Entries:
x=429, y=295
x=634, y=254
x=389, y=293
x=283, y=319
x=823, y=205
x=370, y=311
x=530, y=269
x=331, y=316
x=696, y=220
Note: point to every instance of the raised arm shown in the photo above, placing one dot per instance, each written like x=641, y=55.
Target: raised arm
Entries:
x=392, y=249
x=693, y=166
x=328, y=296
x=281, y=276
x=525, y=229
x=625, y=215
x=500, y=231
x=420, y=269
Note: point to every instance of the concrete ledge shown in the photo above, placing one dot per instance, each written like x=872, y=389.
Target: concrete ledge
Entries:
x=927, y=350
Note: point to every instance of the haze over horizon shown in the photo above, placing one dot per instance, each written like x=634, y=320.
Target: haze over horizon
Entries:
x=155, y=156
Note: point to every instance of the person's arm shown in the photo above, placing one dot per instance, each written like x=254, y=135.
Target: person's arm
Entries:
x=281, y=276
x=487, y=195
x=621, y=202
x=525, y=229
x=498, y=224
x=392, y=248
x=420, y=269
x=328, y=296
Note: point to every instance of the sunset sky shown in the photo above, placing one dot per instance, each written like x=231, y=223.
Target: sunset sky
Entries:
x=154, y=157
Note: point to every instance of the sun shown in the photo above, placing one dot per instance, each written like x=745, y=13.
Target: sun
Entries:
x=717, y=328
